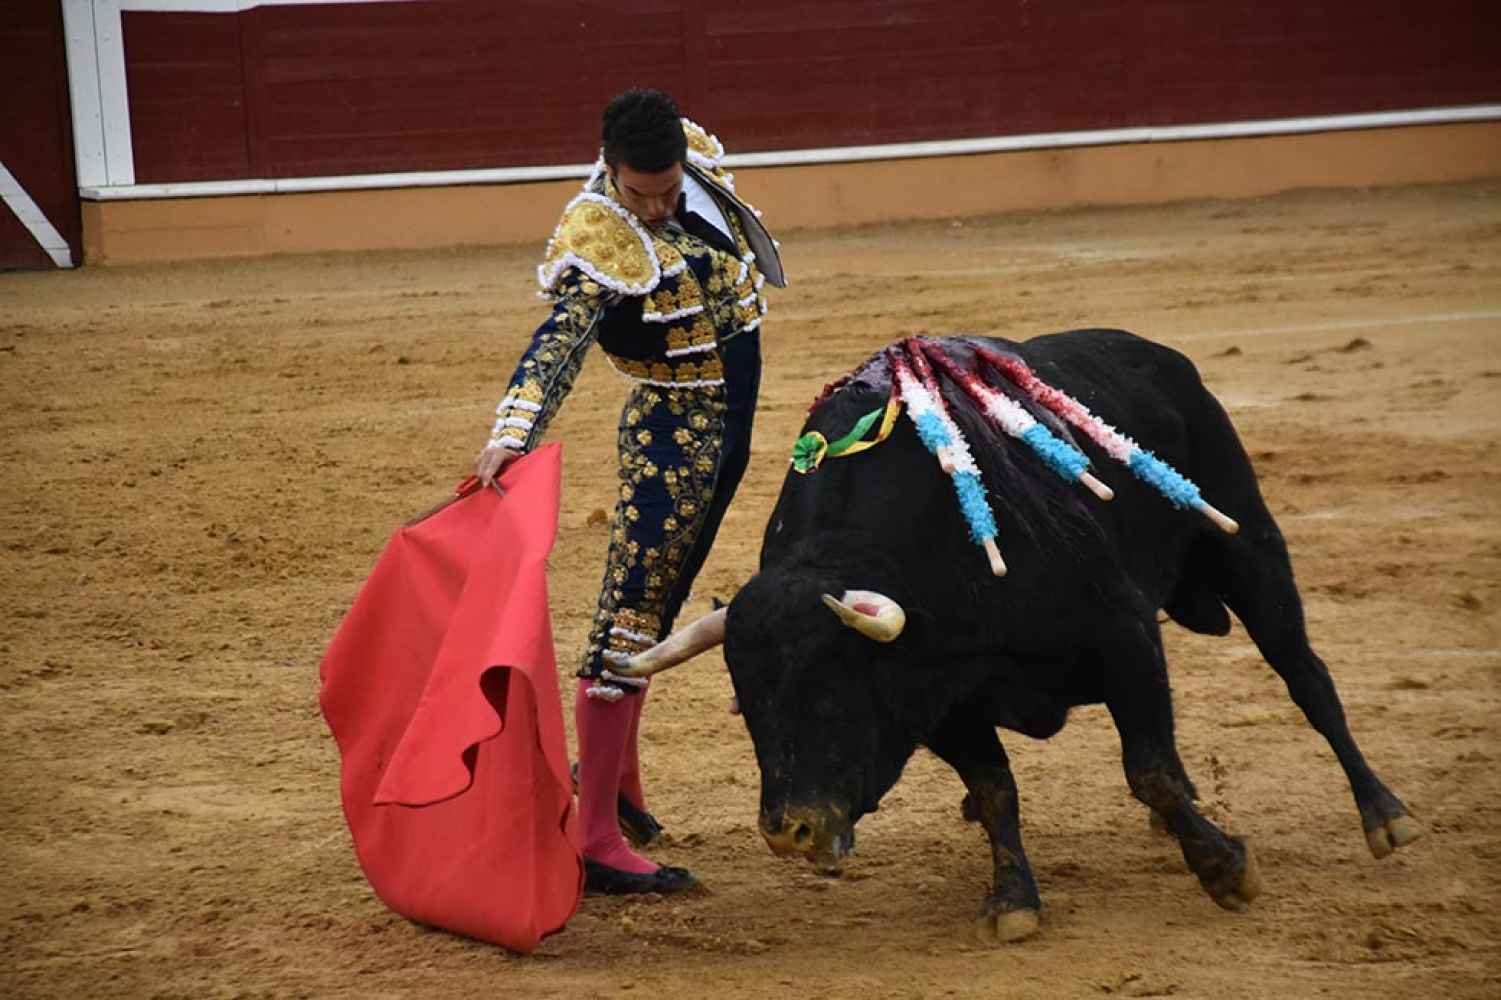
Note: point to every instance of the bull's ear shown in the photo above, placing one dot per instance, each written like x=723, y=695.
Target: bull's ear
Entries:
x=873, y=615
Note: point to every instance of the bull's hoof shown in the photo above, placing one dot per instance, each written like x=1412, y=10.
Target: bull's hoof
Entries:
x=1236, y=891
x=997, y=925
x=1006, y=926
x=1387, y=836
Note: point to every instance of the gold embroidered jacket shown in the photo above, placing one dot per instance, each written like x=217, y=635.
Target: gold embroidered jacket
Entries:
x=658, y=299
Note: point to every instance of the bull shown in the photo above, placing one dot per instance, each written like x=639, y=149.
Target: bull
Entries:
x=873, y=627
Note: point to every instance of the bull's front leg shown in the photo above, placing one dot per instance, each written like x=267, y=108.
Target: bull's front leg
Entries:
x=1139, y=699
x=969, y=745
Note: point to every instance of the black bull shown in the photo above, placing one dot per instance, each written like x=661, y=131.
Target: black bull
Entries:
x=834, y=716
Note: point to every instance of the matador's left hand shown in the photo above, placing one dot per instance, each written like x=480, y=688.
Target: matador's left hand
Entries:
x=488, y=463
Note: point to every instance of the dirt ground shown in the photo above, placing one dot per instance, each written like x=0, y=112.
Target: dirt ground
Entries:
x=200, y=463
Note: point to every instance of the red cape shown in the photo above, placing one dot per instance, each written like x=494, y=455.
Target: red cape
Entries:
x=441, y=690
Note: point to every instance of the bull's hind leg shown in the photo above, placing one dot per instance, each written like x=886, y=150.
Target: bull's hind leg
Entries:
x=969, y=745
x=1258, y=586
x=1134, y=674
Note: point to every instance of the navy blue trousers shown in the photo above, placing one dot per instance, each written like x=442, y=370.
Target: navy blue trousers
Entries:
x=682, y=454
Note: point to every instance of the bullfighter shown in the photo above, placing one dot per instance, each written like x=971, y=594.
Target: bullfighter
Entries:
x=661, y=262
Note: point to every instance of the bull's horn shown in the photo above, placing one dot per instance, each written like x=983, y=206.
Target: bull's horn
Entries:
x=873, y=615
x=684, y=644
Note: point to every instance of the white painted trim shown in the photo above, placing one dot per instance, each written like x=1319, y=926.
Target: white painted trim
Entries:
x=95, y=49
x=1120, y=136
x=114, y=97
x=32, y=217
x=104, y=151
x=228, y=6
x=347, y=182
x=844, y=154
x=83, y=92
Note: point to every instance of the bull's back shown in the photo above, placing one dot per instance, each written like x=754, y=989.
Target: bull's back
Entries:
x=891, y=512
x=1154, y=394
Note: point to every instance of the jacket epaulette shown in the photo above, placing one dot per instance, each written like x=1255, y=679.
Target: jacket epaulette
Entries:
x=603, y=239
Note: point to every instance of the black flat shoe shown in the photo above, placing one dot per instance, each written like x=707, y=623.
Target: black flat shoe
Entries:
x=602, y=880
x=639, y=826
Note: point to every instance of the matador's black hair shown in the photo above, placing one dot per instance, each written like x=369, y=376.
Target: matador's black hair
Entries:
x=643, y=130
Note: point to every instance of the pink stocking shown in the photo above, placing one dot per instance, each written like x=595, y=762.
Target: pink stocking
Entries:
x=630, y=772
x=603, y=730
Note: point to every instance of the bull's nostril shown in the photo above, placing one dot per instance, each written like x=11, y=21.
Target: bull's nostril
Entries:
x=801, y=833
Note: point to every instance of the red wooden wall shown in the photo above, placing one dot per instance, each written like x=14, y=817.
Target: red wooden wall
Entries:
x=36, y=129
x=444, y=84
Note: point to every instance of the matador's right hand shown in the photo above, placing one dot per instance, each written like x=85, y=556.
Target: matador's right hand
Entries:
x=488, y=463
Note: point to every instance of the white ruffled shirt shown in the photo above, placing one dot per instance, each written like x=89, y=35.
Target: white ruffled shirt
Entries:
x=703, y=204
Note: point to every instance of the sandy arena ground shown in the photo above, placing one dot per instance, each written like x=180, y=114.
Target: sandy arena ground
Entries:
x=202, y=461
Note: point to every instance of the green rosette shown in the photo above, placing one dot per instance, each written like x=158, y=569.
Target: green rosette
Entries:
x=809, y=451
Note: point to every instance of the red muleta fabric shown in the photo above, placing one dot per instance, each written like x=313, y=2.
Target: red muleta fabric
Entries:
x=441, y=690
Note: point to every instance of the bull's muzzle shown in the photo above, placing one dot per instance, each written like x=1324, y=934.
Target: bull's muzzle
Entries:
x=823, y=836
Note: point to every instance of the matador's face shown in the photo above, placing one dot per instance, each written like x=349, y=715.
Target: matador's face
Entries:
x=652, y=198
